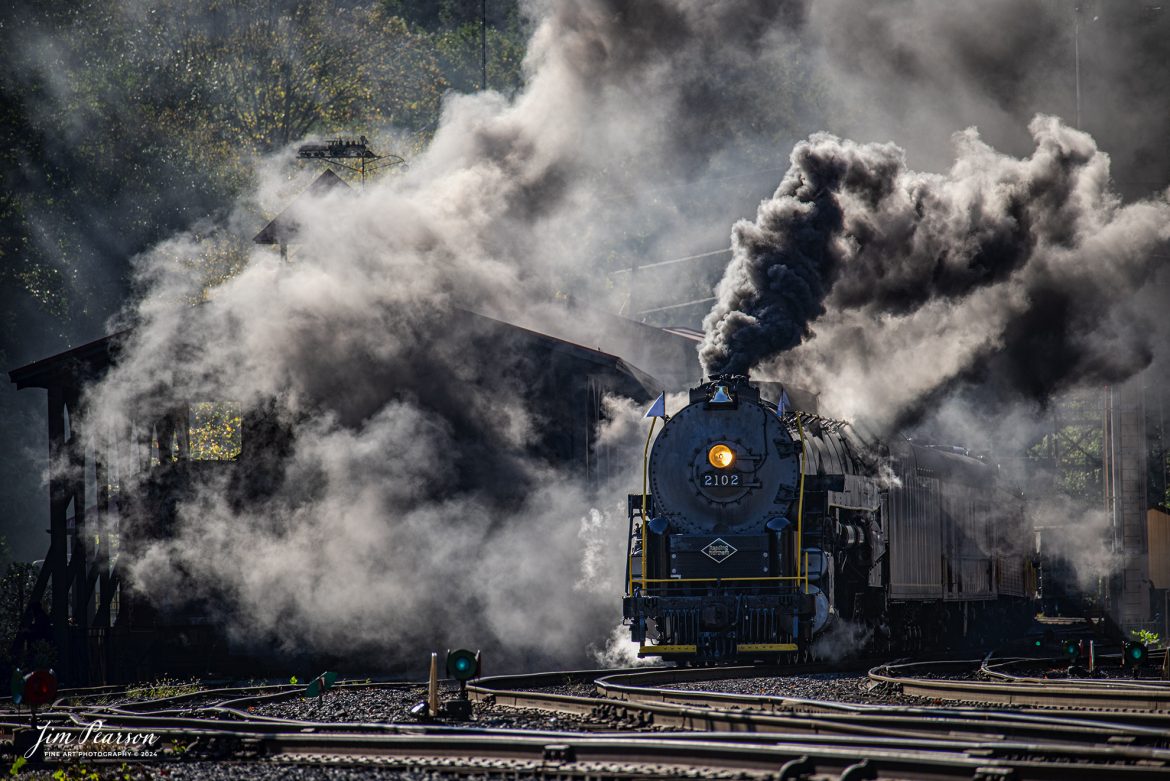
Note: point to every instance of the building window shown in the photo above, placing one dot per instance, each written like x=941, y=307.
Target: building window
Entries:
x=214, y=430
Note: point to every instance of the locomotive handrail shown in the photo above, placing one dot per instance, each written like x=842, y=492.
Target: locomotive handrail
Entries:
x=719, y=580
x=630, y=542
x=800, y=552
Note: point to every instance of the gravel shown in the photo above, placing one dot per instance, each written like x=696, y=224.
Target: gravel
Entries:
x=391, y=706
x=364, y=704
x=827, y=687
x=258, y=771
x=570, y=689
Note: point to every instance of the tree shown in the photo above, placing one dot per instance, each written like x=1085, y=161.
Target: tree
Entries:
x=265, y=74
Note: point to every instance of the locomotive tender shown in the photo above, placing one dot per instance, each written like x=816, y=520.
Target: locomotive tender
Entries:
x=758, y=528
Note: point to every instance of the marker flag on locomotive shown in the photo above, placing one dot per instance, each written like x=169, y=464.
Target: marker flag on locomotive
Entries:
x=658, y=408
x=784, y=404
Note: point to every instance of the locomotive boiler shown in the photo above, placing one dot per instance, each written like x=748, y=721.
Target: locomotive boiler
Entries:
x=759, y=528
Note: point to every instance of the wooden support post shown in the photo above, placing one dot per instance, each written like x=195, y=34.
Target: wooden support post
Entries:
x=57, y=564
x=101, y=557
x=79, y=559
x=433, y=687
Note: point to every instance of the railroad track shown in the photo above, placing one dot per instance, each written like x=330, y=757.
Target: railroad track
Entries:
x=1105, y=748
x=639, y=698
x=920, y=679
x=655, y=732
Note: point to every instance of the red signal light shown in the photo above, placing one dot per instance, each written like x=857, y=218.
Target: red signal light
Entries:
x=40, y=688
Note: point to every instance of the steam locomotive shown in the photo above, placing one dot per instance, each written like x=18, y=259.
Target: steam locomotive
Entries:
x=760, y=529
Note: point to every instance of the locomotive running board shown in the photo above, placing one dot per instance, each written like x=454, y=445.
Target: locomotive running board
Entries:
x=770, y=647
x=668, y=649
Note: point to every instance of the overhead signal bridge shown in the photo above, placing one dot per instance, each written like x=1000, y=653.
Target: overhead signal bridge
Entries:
x=352, y=154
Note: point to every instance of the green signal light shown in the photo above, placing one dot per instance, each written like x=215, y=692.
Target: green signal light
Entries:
x=1133, y=654
x=462, y=665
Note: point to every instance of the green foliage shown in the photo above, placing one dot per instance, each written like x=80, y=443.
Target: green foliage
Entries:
x=1074, y=448
x=461, y=55
x=267, y=74
x=121, y=124
x=16, y=587
x=17, y=764
x=179, y=749
x=162, y=688
x=293, y=680
x=1146, y=637
x=76, y=773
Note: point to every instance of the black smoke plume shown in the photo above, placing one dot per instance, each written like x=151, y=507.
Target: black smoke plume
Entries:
x=1017, y=275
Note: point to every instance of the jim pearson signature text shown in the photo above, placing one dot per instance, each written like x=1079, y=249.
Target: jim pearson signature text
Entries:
x=95, y=736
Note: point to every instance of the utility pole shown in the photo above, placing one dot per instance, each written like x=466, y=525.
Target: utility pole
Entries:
x=1076, y=58
x=483, y=45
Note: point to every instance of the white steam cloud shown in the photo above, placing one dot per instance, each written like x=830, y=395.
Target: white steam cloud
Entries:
x=361, y=351
x=395, y=508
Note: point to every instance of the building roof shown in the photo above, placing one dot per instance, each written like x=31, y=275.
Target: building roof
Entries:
x=646, y=382
x=72, y=366
x=283, y=228
x=89, y=361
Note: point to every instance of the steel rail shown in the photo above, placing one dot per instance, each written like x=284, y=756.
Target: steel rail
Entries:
x=252, y=694
x=88, y=692
x=994, y=671
x=1142, y=728
x=716, y=712
x=628, y=696
x=444, y=747
x=887, y=724
x=1035, y=693
x=894, y=741
x=659, y=756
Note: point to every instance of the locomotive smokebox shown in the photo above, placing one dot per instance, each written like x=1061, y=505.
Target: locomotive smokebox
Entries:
x=725, y=462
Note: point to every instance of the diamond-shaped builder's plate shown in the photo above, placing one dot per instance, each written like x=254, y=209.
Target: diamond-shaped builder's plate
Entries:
x=719, y=550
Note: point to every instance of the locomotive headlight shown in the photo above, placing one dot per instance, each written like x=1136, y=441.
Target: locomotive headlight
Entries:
x=721, y=456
